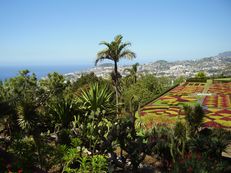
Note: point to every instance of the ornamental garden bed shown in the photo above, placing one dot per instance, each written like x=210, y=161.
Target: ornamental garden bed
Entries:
x=168, y=108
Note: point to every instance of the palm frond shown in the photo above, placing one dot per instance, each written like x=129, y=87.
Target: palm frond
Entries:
x=122, y=46
x=118, y=38
x=105, y=43
x=99, y=59
x=127, y=54
x=103, y=53
x=115, y=50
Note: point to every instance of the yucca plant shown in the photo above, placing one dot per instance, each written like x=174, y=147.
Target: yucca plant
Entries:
x=30, y=122
x=63, y=111
x=97, y=97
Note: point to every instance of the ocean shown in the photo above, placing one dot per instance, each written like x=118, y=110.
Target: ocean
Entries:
x=40, y=71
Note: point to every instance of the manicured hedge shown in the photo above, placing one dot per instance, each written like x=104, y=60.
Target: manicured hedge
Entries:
x=196, y=80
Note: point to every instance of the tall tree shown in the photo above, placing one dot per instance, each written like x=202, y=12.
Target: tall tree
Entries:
x=114, y=51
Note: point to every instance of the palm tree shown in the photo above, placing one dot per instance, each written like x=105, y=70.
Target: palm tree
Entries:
x=133, y=71
x=115, y=51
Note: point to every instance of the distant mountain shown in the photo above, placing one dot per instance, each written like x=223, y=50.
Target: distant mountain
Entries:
x=161, y=61
x=225, y=54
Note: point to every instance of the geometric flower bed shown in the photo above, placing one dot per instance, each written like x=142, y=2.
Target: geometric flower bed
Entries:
x=168, y=108
x=218, y=101
x=221, y=88
x=175, y=100
x=218, y=118
x=188, y=88
x=218, y=106
x=160, y=114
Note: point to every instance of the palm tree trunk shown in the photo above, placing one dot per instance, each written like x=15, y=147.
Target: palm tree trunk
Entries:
x=116, y=86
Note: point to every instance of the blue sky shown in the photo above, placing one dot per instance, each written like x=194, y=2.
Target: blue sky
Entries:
x=63, y=32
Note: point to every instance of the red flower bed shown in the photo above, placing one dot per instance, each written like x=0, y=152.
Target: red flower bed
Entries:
x=226, y=118
x=224, y=111
x=212, y=124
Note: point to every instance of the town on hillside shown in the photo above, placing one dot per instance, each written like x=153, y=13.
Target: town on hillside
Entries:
x=212, y=66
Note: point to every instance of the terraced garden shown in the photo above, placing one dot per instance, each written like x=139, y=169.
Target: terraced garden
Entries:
x=168, y=108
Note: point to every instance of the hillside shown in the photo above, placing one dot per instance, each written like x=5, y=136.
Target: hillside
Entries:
x=225, y=54
x=214, y=65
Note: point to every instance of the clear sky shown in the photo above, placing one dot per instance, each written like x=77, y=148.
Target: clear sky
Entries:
x=62, y=32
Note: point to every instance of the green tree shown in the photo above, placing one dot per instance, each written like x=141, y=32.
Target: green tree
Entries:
x=85, y=80
x=54, y=84
x=15, y=91
x=115, y=51
x=200, y=75
x=145, y=89
x=179, y=80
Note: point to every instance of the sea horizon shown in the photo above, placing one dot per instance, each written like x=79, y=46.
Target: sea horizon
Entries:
x=40, y=71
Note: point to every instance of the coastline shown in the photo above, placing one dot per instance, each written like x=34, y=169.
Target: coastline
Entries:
x=41, y=71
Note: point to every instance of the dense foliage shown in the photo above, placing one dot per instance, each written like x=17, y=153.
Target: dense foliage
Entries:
x=52, y=124
x=91, y=125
